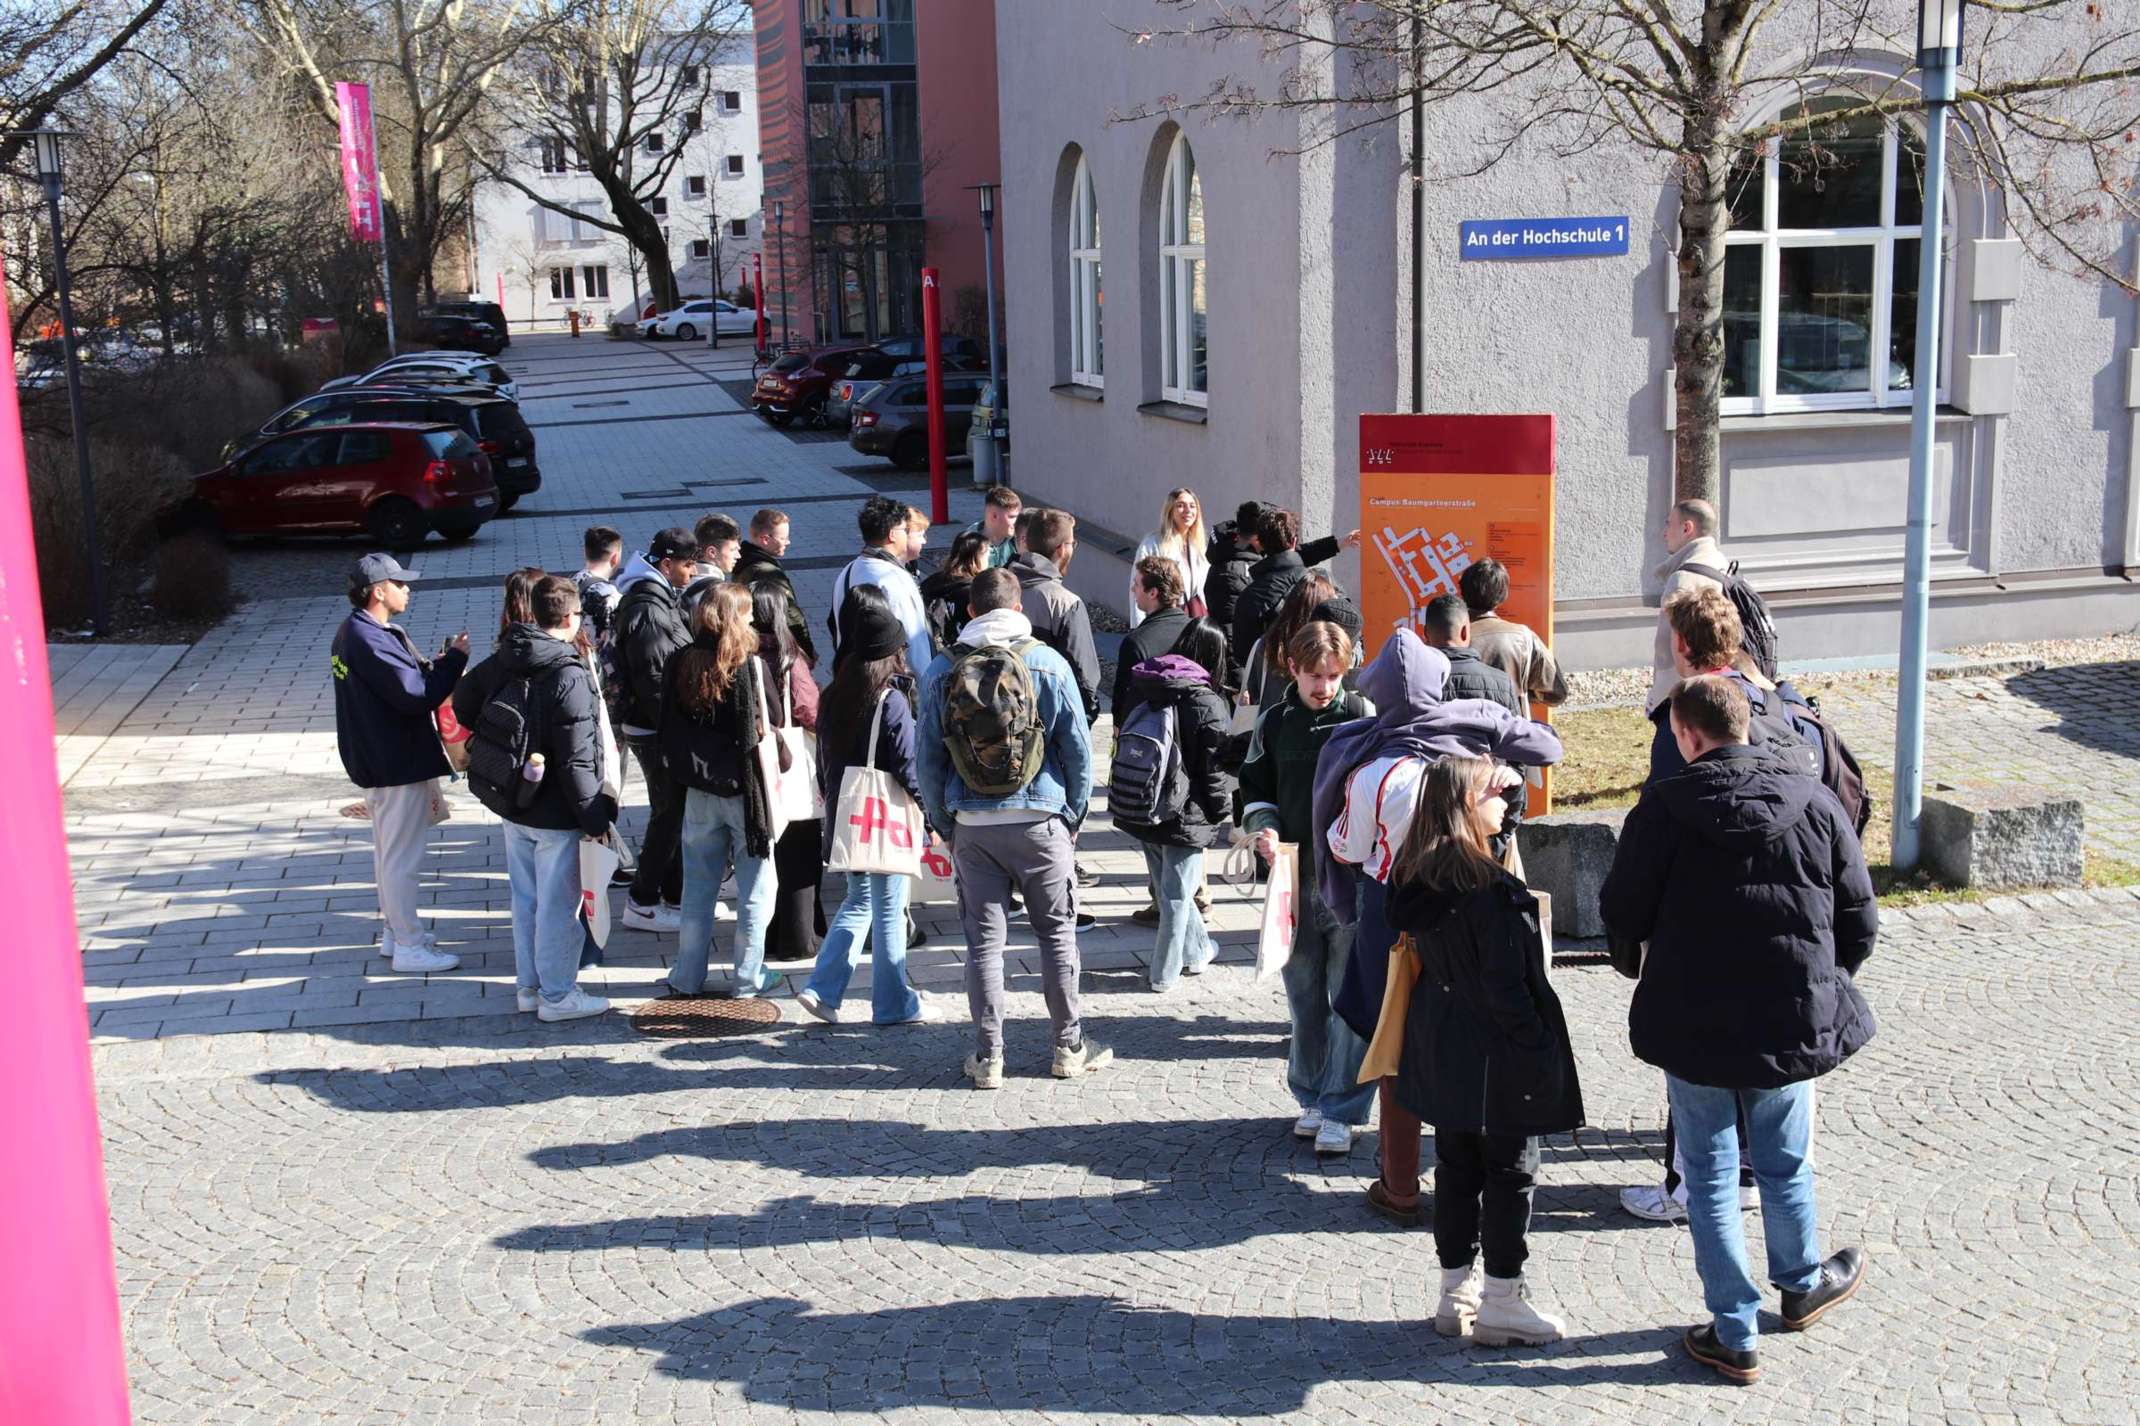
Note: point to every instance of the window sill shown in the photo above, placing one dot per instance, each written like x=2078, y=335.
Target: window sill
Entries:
x=1177, y=411
x=1834, y=420
x=1078, y=391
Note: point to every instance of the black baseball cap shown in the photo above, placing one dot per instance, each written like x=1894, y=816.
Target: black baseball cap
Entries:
x=676, y=542
x=377, y=568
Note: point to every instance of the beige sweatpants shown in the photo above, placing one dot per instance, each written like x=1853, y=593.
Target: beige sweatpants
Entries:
x=401, y=827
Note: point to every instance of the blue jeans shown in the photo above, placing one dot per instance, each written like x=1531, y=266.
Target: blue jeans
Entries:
x=1323, y=1059
x=543, y=867
x=875, y=906
x=713, y=842
x=1183, y=942
x=1779, y=1139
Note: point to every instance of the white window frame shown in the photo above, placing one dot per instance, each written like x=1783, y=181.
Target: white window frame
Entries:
x=594, y=280
x=701, y=249
x=731, y=101
x=561, y=284
x=658, y=205
x=732, y=165
x=739, y=227
x=1176, y=254
x=694, y=185
x=1772, y=240
x=1088, y=358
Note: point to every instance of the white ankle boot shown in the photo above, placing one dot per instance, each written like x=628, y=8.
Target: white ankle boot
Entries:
x=1506, y=1317
x=1460, y=1300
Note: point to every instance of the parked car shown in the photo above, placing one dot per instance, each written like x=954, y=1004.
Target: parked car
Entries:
x=493, y=421
x=891, y=419
x=489, y=312
x=913, y=349
x=464, y=334
x=450, y=366
x=797, y=385
x=394, y=482
x=870, y=367
x=689, y=322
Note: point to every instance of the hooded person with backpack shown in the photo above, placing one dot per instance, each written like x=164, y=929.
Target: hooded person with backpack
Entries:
x=1170, y=790
x=535, y=758
x=648, y=630
x=1006, y=776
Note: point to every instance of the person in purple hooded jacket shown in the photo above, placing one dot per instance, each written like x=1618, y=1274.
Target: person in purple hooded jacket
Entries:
x=1366, y=784
x=1186, y=684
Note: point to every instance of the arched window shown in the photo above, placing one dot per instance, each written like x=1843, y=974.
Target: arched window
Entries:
x=1087, y=351
x=1820, y=268
x=1182, y=345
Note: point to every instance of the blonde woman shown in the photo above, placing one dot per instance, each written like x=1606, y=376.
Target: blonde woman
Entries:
x=1183, y=538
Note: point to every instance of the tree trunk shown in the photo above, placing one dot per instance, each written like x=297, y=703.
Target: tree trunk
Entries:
x=1698, y=332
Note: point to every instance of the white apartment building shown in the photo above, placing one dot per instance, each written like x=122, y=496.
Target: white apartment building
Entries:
x=540, y=264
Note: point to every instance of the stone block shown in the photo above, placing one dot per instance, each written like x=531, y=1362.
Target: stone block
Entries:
x=1999, y=836
x=1566, y=856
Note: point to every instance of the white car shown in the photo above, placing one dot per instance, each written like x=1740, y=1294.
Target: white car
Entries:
x=430, y=367
x=688, y=323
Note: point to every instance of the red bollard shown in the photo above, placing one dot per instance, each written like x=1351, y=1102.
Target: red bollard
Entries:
x=933, y=346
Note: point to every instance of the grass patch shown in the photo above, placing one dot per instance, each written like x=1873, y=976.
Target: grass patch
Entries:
x=1608, y=756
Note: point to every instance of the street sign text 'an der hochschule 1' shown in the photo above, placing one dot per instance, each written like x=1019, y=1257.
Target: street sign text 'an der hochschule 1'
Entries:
x=1502, y=239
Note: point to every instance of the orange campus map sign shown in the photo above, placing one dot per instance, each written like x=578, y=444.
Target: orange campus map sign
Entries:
x=1438, y=493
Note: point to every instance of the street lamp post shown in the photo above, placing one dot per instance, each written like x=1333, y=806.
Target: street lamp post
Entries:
x=45, y=142
x=1939, y=51
x=780, y=248
x=988, y=277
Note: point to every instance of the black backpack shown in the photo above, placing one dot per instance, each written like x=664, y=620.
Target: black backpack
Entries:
x=1756, y=625
x=499, y=745
x=1839, y=769
x=1145, y=787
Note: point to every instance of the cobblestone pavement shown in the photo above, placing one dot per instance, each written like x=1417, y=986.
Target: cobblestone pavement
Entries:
x=480, y=1221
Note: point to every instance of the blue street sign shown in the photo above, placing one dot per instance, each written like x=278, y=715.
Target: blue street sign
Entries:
x=1499, y=239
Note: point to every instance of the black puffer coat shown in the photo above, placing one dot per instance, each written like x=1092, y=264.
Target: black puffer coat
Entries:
x=1200, y=730
x=1749, y=886
x=564, y=707
x=1486, y=1047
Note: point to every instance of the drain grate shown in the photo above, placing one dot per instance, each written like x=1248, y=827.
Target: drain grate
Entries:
x=702, y=1017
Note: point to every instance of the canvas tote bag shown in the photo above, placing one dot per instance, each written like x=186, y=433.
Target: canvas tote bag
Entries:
x=876, y=826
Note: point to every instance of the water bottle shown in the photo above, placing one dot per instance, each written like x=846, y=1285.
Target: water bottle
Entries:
x=530, y=780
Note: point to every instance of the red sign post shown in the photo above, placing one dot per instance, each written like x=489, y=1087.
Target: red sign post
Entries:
x=757, y=278
x=933, y=345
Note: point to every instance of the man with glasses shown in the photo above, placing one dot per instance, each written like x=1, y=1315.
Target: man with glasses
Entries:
x=385, y=700
x=650, y=628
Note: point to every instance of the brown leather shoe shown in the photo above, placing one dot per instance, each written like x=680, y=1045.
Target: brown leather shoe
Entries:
x=1378, y=1198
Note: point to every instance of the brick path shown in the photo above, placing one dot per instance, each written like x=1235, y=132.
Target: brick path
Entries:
x=405, y=1204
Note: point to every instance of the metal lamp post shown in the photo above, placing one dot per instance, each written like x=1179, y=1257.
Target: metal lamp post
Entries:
x=45, y=143
x=780, y=250
x=995, y=363
x=1939, y=51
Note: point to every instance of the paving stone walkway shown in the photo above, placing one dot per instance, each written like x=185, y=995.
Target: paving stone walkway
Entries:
x=346, y=1196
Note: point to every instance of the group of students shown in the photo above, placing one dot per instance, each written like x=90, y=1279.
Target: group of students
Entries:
x=1739, y=898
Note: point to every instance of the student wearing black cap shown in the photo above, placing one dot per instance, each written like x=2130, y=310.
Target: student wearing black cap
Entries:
x=385, y=699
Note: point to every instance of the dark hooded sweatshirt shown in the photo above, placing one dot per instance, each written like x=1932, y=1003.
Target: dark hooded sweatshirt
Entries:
x=1749, y=886
x=563, y=701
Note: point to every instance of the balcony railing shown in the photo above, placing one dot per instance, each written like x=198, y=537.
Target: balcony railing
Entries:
x=860, y=41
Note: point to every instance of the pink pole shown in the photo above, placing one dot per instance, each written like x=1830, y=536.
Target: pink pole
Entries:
x=60, y=1355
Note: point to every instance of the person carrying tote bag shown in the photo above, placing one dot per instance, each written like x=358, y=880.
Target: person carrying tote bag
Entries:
x=865, y=727
x=798, y=924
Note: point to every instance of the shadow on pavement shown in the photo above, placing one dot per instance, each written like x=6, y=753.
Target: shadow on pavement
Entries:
x=2098, y=705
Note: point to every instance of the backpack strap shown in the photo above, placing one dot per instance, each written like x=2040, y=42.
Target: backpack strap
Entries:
x=1706, y=571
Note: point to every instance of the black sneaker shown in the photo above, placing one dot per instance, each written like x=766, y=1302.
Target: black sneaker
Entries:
x=1839, y=1278
x=1743, y=1368
x=622, y=876
x=1086, y=920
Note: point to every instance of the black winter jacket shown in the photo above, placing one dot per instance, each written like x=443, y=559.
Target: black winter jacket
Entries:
x=1472, y=677
x=1486, y=1046
x=650, y=628
x=754, y=566
x=1200, y=731
x=563, y=701
x=1061, y=621
x=945, y=597
x=384, y=698
x=1270, y=580
x=1232, y=562
x=1149, y=640
x=694, y=747
x=1748, y=884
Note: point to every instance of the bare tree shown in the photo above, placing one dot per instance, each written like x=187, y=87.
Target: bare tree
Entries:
x=614, y=88
x=2048, y=110
x=50, y=49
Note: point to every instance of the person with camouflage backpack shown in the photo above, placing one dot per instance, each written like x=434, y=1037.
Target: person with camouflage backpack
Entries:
x=1006, y=776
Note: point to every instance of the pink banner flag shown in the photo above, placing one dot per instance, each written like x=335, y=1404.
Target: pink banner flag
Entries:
x=60, y=1356
x=360, y=162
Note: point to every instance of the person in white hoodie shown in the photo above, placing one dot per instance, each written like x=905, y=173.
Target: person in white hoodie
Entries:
x=1689, y=539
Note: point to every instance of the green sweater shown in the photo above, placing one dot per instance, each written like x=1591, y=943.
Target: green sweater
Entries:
x=1278, y=779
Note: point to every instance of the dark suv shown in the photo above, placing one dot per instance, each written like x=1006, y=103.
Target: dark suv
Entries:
x=493, y=422
x=892, y=418
x=489, y=312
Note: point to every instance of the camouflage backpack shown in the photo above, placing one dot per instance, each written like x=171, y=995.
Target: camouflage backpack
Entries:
x=992, y=717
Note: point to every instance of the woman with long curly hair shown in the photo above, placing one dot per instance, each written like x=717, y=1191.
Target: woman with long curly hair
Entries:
x=714, y=712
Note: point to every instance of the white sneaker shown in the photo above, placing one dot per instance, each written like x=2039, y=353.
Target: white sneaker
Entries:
x=1086, y=1058
x=577, y=1005
x=661, y=920
x=417, y=960
x=527, y=1000
x=1749, y=1197
x=1506, y=1317
x=808, y=999
x=1333, y=1138
x=986, y=1074
x=1462, y=1289
x=1308, y=1125
x=1651, y=1203
x=927, y=1013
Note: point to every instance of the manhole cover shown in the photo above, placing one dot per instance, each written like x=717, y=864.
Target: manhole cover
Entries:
x=699, y=1017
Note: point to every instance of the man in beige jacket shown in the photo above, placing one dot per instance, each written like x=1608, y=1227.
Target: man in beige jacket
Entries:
x=1689, y=538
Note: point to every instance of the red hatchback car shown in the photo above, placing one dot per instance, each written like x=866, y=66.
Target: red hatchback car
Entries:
x=799, y=382
x=394, y=482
